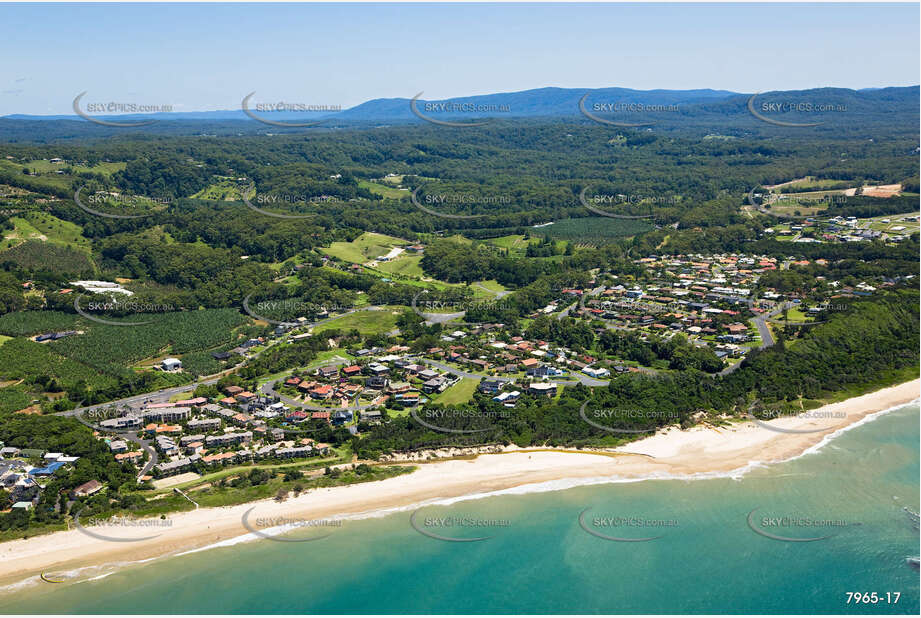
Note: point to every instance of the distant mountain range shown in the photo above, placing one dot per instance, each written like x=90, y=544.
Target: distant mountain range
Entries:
x=551, y=103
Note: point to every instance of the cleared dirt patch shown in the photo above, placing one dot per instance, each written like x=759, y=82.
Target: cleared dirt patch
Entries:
x=176, y=480
x=882, y=190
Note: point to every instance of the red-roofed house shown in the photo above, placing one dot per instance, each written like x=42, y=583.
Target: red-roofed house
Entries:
x=324, y=391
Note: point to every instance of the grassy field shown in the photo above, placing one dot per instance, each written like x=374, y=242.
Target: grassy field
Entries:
x=367, y=322
x=4, y=339
x=590, y=230
x=325, y=357
x=22, y=231
x=48, y=172
x=383, y=190
x=408, y=266
x=225, y=190
x=515, y=243
x=47, y=228
x=792, y=315
x=876, y=223
x=43, y=167
x=459, y=393
x=364, y=248
x=794, y=206
x=492, y=285
x=813, y=183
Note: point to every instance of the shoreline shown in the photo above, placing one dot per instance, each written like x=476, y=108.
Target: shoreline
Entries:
x=700, y=452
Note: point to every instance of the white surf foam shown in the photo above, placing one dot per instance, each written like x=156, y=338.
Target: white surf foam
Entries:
x=736, y=474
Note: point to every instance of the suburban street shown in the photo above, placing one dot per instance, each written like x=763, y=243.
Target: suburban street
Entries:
x=268, y=388
x=767, y=338
x=477, y=376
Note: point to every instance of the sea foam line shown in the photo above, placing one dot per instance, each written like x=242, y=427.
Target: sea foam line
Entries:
x=529, y=488
x=736, y=474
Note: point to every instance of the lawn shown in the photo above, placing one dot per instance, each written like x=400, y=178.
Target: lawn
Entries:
x=793, y=315
x=459, y=393
x=325, y=357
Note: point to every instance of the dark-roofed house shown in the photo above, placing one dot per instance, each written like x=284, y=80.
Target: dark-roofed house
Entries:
x=87, y=489
x=435, y=385
x=341, y=417
x=377, y=382
x=490, y=386
x=329, y=371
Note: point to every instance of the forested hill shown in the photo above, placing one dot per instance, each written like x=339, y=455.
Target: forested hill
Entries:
x=665, y=110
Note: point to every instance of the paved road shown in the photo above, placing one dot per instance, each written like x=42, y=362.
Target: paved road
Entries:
x=165, y=393
x=269, y=389
x=767, y=338
x=498, y=295
x=441, y=318
x=135, y=400
x=580, y=378
x=131, y=436
x=565, y=312
x=313, y=325
x=434, y=318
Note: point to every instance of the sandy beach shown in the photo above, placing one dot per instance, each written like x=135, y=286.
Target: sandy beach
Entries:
x=669, y=453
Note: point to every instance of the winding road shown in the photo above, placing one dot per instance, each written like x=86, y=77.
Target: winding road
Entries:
x=131, y=436
x=580, y=378
x=269, y=389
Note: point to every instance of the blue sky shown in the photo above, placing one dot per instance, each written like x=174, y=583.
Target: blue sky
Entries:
x=208, y=56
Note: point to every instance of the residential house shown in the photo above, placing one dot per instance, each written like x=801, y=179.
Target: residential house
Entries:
x=87, y=489
x=377, y=383
x=435, y=385
x=340, y=417
x=490, y=386
x=547, y=389
x=330, y=371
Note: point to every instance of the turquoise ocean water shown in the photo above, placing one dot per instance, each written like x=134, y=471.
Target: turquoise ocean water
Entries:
x=850, y=493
